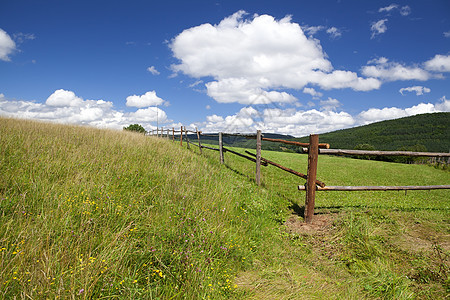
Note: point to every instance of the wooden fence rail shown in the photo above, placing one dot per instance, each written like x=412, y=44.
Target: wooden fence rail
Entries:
x=379, y=153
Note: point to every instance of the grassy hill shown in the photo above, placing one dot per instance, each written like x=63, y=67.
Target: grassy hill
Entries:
x=430, y=130
x=88, y=213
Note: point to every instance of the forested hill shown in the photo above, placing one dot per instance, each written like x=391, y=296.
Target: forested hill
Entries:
x=429, y=130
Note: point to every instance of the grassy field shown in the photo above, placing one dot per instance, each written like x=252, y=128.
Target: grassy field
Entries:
x=88, y=213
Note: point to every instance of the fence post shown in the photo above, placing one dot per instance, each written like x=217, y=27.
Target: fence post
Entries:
x=198, y=138
x=221, y=148
x=258, y=157
x=185, y=135
x=181, y=136
x=313, y=155
x=173, y=134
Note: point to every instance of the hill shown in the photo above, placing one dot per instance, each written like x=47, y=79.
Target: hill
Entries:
x=96, y=214
x=430, y=130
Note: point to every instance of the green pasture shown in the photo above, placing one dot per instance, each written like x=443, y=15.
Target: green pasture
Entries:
x=99, y=214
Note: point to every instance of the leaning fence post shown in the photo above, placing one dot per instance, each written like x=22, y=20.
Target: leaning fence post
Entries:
x=181, y=136
x=186, y=136
x=198, y=138
x=313, y=155
x=221, y=148
x=258, y=157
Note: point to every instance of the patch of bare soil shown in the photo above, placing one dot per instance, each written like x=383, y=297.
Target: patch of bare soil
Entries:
x=321, y=223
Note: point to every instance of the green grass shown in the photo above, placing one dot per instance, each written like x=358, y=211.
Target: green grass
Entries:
x=88, y=213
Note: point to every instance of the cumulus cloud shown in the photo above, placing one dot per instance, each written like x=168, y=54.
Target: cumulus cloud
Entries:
x=392, y=71
x=7, y=46
x=419, y=90
x=64, y=106
x=312, y=92
x=252, y=60
x=378, y=28
x=388, y=113
x=146, y=100
x=439, y=63
x=447, y=34
x=330, y=104
x=153, y=70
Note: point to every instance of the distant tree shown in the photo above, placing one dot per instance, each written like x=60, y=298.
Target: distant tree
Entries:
x=368, y=147
x=409, y=159
x=136, y=128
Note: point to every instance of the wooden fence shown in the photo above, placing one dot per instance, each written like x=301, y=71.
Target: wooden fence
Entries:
x=313, y=148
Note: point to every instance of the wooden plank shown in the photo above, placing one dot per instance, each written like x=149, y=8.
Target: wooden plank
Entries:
x=181, y=136
x=325, y=146
x=375, y=153
x=244, y=156
x=313, y=156
x=378, y=188
x=185, y=135
x=206, y=147
x=319, y=183
x=198, y=138
x=258, y=157
x=221, y=148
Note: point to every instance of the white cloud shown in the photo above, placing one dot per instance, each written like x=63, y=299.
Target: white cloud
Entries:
x=388, y=8
x=443, y=105
x=7, y=46
x=439, y=63
x=419, y=90
x=388, y=113
x=153, y=70
x=146, y=100
x=378, y=28
x=253, y=60
x=312, y=30
x=22, y=37
x=312, y=92
x=447, y=34
x=65, y=107
x=330, y=104
x=392, y=71
x=63, y=98
x=208, y=107
x=405, y=10
x=334, y=32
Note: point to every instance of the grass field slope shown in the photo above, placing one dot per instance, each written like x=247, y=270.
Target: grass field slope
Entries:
x=99, y=214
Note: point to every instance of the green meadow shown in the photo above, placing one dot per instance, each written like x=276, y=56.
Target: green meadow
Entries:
x=99, y=214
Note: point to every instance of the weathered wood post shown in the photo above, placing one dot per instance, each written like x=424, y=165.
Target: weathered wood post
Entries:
x=221, y=147
x=173, y=134
x=258, y=157
x=313, y=155
x=185, y=135
x=181, y=136
x=198, y=138
x=167, y=133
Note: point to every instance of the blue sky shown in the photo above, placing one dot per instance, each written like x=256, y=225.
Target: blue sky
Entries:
x=291, y=67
